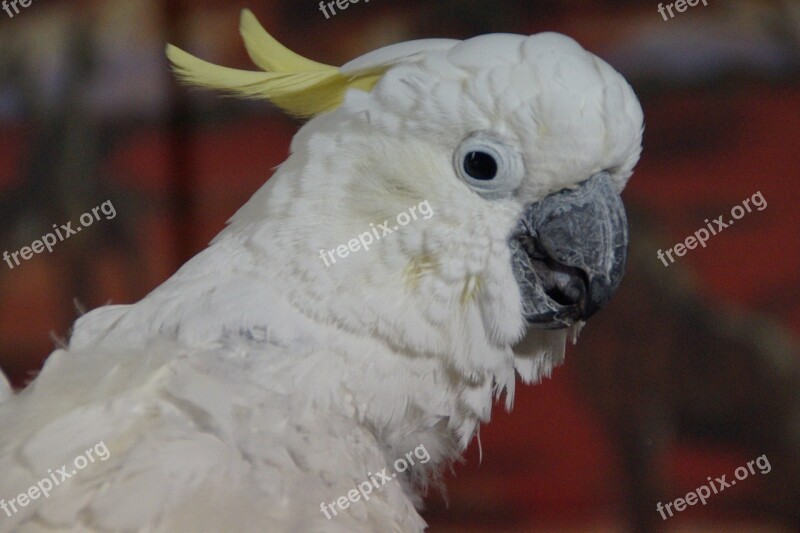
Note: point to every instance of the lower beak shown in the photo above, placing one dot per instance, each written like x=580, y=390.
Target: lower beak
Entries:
x=569, y=251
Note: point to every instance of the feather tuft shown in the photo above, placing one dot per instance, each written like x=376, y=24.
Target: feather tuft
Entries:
x=297, y=85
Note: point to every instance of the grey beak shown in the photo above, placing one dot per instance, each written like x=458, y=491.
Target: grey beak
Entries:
x=569, y=251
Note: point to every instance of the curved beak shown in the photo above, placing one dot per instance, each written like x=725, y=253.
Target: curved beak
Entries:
x=569, y=251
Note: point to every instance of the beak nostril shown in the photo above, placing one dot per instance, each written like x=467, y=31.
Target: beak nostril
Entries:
x=570, y=287
x=567, y=286
x=562, y=296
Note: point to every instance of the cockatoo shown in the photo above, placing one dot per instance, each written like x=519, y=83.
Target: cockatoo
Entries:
x=269, y=380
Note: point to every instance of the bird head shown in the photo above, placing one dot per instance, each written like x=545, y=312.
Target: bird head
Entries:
x=486, y=175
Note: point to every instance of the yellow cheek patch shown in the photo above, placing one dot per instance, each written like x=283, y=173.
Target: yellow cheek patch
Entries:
x=471, y=290
x=417, y=268
x=298, y=85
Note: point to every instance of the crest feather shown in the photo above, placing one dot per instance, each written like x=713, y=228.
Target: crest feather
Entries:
x=298, y=85
x=267, y=53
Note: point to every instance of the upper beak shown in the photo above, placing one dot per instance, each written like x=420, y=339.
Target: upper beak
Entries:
x=569, y=251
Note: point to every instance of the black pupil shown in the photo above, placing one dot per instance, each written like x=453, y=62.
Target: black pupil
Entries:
x=480, y=166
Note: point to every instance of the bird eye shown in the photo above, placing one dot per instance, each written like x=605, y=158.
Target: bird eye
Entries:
x=480, y=165
x=489, y=165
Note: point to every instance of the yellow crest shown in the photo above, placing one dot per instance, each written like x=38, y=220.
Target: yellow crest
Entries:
x=298, y=85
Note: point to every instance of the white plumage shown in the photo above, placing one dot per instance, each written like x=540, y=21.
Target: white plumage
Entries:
x=256, y=382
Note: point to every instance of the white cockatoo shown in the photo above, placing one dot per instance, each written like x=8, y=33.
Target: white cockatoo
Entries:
x=296, y=360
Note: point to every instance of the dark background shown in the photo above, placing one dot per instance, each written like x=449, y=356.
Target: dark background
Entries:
x=693, y=369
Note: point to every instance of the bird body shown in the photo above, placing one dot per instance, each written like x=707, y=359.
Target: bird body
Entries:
x=259, y=382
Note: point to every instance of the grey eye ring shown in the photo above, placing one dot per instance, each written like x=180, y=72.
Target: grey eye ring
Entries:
x=489, y=165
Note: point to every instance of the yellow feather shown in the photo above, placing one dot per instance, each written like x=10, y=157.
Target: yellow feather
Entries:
x=298, y=85
x=417, y=268
x=268, y=53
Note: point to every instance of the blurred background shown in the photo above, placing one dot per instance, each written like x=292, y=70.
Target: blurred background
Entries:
x=694, y=368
